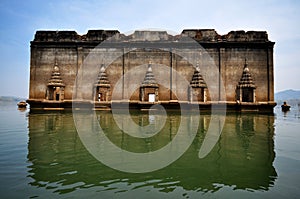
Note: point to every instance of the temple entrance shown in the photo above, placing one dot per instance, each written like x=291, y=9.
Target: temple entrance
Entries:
x=151, y=97
x=149, y=94
x=57, y=97
x=247, y=95
x=55, y=93
x=102, y=94
x=197, y=94
x=102, y=97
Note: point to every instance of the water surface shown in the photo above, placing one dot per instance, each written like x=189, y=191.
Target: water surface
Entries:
x=256, y=156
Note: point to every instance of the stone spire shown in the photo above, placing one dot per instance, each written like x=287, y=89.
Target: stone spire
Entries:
x=102, y=79
x=246, y=80
x=56, y=79
x=149, y=80
x=197, y=80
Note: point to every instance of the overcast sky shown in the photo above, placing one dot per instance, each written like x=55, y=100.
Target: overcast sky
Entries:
x=19, y=21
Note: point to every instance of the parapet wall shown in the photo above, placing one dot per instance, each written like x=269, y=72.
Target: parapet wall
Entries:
x=69, y=36
x=200, y=35
x=233, y=36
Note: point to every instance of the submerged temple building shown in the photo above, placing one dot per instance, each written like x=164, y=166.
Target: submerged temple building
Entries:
x=243, y=61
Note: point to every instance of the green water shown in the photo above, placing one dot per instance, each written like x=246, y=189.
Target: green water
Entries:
x=256, y=156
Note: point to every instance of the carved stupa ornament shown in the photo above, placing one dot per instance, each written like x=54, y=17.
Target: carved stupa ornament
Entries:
x=102, y=79
x=246, y=80
x=149, y=80
x=197, y=79
x=56, y=80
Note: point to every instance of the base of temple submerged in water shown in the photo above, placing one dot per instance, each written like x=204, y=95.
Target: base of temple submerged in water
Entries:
x=36, y=105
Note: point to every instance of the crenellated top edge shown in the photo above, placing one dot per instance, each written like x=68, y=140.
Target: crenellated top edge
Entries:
x=232, y=36
x=200, y=35
x=72, y=36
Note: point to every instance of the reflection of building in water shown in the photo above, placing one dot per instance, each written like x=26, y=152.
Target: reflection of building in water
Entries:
x=242, y=158
x=247, y=85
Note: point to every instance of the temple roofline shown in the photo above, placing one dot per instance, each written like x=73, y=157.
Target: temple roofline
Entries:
x=200, y=35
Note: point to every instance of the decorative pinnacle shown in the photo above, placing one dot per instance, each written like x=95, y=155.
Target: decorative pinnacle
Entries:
x=149, y=80
x=197, y=66
x=102, y=79
x=150, y=66
x=246, y=80
x=197, y=79
x=102, y=68
x=56, y=79
x=246, y=63
x=56, y=68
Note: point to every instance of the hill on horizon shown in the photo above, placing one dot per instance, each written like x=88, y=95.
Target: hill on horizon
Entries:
x=287, y=95
x=290, y=96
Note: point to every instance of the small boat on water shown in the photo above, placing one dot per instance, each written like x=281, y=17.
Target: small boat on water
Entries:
x=22, y=104
x=285, y=107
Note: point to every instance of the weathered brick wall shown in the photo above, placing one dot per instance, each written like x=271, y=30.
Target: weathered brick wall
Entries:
x=228, y=53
